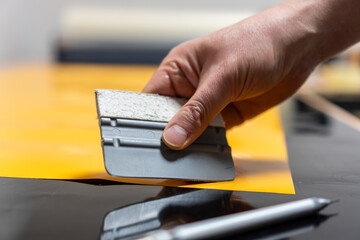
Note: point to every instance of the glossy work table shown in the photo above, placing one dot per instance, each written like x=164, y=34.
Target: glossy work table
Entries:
x=324, y=160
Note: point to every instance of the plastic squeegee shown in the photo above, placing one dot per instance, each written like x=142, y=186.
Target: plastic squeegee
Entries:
x=131, y=127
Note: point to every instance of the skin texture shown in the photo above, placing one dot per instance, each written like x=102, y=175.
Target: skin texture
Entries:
x=246, y=68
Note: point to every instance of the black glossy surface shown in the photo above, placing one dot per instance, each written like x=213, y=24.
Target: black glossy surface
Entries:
x=325, y=162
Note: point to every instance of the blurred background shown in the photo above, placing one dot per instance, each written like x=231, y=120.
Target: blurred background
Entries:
x=142, y=32
x=74, y=30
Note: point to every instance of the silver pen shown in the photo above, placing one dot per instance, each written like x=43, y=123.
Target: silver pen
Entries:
x=241, y=222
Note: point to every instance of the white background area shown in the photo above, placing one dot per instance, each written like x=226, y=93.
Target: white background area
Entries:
x=29, y=29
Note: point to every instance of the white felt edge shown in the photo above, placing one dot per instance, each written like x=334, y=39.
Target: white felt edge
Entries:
x=141, y=106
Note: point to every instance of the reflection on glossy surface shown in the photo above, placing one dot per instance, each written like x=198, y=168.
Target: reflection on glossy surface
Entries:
x=53, y=209
x=165, y=210
x=285, y=230
x=172, y=207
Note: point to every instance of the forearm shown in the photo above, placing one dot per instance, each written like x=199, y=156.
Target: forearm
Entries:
x=323, y=27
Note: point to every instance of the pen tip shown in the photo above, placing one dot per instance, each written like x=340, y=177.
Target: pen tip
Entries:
x=326, y=202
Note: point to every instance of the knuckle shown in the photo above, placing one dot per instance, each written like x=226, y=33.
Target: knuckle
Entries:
x=173, y=70
x=178, y=50
x=195, y=112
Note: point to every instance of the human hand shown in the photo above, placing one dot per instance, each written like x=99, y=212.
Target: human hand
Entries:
x=240, y=71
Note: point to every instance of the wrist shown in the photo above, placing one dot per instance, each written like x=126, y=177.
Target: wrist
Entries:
x=297, y=36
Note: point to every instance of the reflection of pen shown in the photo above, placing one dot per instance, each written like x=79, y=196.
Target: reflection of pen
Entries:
x=241, y=222
x=287, y=229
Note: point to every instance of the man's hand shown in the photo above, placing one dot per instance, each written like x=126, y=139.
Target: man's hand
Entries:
x=241, y=70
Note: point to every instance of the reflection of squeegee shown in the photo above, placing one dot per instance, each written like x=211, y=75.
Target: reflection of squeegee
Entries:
x=131, y=128
x=135, y=220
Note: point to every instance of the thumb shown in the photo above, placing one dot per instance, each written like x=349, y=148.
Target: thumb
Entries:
x=192, y=119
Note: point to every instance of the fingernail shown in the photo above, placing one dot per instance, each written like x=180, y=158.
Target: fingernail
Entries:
x=175, y=136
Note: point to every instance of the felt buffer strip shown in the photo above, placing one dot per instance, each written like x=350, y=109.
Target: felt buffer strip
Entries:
x=131, y=127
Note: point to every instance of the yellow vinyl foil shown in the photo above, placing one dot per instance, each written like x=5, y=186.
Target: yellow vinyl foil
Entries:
x=49, y=129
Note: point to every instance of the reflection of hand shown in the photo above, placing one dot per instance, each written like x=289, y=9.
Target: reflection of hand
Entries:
x=242, y=70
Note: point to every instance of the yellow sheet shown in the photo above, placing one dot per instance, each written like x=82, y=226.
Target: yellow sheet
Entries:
x=48, y=129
